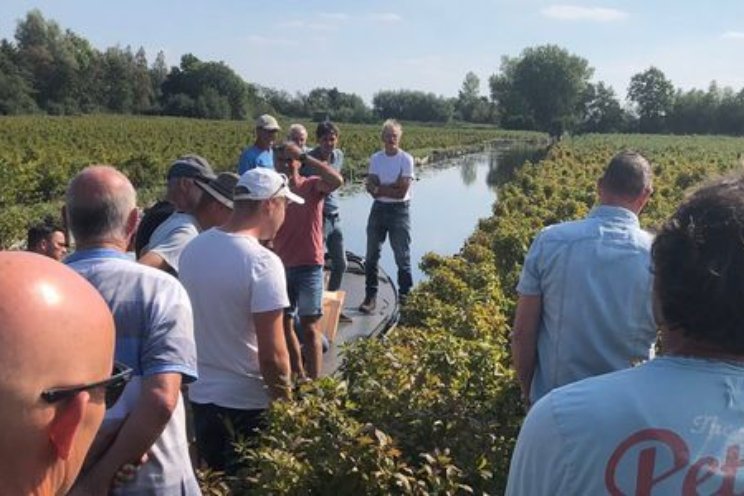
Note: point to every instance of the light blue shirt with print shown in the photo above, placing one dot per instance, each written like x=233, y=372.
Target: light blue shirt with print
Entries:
x=253, y=157
x=594, y=278
x=671, y=426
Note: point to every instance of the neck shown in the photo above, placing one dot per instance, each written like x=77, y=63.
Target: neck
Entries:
x=244, y=226
x=111, y=244
x=391, y=150
x=675, y=343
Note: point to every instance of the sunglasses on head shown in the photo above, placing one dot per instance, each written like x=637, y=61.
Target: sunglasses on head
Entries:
x=285, y=184
x=114, y=386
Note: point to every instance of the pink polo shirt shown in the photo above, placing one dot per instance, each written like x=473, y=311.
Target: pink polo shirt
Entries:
x=300, y=239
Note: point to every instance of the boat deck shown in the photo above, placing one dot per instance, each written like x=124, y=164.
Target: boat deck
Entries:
x=361, y=325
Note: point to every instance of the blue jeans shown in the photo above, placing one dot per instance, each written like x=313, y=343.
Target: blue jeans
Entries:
x=305, y=290
x=395, y=219
x=334, y=242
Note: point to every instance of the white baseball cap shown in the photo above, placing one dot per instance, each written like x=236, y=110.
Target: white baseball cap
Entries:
x=261, y=183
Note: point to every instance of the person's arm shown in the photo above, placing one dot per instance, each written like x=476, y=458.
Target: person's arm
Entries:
x=152, y=259
x=273, y=357
x=143, y=426
x=397, y=190
x=524, y=340
x=330, y=178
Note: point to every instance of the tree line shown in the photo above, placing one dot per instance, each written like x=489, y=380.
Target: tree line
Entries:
x=50, y=70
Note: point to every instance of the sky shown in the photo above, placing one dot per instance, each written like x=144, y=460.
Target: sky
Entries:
x=366, y=46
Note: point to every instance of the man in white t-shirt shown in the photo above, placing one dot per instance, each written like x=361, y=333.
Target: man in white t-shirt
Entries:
x=238, y=292
x=674, y=425
x=389, y=182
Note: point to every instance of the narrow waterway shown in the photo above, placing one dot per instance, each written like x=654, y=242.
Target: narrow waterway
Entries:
x=448, y=199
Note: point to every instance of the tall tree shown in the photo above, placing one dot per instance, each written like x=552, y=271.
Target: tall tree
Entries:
x=602, y=110
x=653, y=95
x=543, y=87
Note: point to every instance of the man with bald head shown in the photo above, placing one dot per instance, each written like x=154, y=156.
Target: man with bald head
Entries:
x=154, y=336
x=56, y=351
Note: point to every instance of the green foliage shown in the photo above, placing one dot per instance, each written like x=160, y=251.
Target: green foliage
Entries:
x=653, y=93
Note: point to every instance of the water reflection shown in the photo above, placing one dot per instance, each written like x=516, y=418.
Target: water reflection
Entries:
x=447, y=200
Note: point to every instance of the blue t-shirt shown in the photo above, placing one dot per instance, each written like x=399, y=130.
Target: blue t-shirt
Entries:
x=594, y=278
x=253, y=157
x=671, y=426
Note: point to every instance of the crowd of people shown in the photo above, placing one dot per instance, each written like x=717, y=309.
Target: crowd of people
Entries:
x=204, y=292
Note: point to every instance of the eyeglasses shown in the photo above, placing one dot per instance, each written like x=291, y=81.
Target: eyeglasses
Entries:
x=114, y=386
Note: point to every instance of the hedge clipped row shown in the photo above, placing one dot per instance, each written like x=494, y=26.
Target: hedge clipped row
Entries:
x=434, y=407
x=38, y=155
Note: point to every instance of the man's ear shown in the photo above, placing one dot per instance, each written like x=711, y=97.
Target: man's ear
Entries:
x=132, y=222
x=65, y=424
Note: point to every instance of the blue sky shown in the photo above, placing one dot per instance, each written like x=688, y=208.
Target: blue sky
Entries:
x=365, y=46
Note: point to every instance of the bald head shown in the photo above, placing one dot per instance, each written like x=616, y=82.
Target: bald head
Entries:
x=100, y=203
x=55, y=331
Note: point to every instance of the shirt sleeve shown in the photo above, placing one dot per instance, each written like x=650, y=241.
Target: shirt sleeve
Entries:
x=172, y=245
x=406, y=169
x=169, y=346
x=541, y=461
x=269, y=290
x=530, y=279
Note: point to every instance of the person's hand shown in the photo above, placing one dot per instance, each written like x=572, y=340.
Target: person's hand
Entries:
x=128, y=471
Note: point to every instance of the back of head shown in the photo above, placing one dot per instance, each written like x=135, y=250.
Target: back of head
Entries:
x=99, y=203
x=627, y=175
x=698, y=259
x=55, y=331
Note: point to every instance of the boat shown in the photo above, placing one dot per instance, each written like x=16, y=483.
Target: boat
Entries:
x=354, y=324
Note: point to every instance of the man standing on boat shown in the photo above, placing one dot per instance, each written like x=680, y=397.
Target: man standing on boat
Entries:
x=391, y=173
x=327, y=134
x=298, y=135
x=154, y=337
x=299, y=243
x=238, y=291
x=260, y=153
x=584, y=303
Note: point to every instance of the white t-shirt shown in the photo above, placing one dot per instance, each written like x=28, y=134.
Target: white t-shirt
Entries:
x=230, y=277
x=171, y=237
x=389, y=168
x=670, y=426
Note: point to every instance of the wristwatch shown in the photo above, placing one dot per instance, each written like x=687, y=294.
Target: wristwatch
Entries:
x=303, y=157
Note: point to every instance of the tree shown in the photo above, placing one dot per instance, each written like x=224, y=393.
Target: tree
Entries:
x=653, y=94
x=602, y=111
x=542, y=88
x=412, y=105
x=16, y=94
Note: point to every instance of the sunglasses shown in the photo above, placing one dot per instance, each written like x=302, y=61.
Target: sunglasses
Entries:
x=285, y=184
x=114, y=386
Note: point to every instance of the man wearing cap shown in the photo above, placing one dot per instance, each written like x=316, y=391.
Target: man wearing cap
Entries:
x=168, y=239
x=238, y=291
x=299, y=243
x=56, y=354
x=154, y=337
x=260, y=154
x=216, y=204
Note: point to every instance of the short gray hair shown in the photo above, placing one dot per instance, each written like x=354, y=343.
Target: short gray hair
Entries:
x=99, y=210
x=296, y=129
x=628, y=174
x=392, y=124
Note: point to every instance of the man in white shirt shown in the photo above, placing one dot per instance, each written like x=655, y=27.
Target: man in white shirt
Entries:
x=389, y=182
x=238, y=291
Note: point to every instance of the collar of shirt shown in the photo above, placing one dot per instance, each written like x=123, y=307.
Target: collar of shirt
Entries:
x=610, y=211
x=94, y=254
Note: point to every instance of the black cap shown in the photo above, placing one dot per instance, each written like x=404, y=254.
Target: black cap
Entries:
x=221, y=188
x=191, y=166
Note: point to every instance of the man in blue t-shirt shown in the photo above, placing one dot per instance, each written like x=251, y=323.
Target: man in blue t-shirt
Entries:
x=672, y=425
x=584, y=305
x=260, y=154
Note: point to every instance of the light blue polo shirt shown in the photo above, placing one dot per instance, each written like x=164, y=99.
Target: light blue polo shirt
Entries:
x=671, y=426
x=253, y=157
x=154, y=335
x=594, y=278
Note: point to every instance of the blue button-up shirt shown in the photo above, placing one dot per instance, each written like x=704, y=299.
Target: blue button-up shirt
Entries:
x=594, y=278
